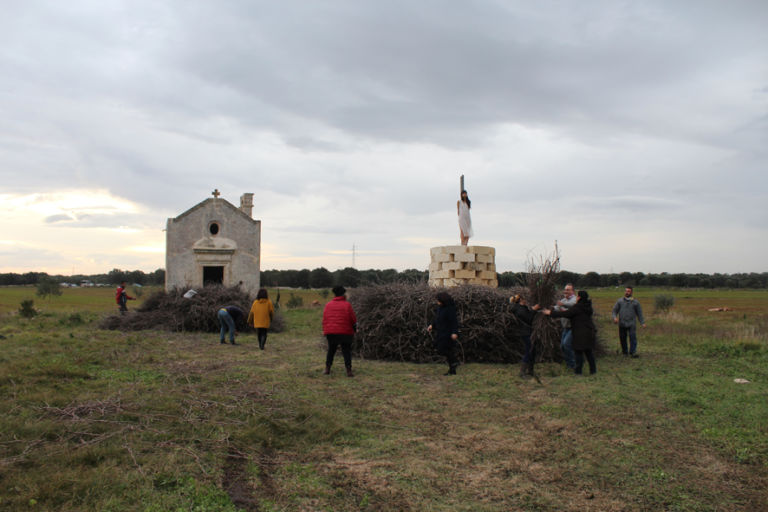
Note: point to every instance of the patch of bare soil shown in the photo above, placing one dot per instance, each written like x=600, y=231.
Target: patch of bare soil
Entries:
x=235, y=482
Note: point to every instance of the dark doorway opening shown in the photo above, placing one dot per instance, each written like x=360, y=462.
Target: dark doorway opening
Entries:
x=213, y=275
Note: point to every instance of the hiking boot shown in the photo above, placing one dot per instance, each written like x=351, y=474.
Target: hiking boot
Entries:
x=524, y=371
x=349, y=372
x=327, y=370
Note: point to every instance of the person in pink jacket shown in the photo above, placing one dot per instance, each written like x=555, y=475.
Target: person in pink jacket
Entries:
x=339, y=326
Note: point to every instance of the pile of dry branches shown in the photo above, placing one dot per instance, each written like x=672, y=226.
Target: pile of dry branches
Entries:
x=173, y=312
x=392, y=321
x=541, y=288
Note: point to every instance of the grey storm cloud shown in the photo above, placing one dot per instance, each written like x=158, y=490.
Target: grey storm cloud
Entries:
x=369, y=110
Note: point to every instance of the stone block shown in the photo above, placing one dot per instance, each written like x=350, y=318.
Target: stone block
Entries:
x=456, y=249
x=435, y=265
x=464, y=257
x=441, y=274
x=491, y=267
x=480, y=249
x=464, y=274
x=476, y=266
x=443, y=256
x=435, y=282
x=452, y=265
x=484, y=258
x=450, y=283
x=486, y=274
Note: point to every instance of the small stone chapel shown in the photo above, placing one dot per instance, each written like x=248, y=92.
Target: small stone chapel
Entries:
x=214, y=242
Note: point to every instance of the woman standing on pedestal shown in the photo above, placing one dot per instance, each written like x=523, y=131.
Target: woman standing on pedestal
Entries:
x=465, y=221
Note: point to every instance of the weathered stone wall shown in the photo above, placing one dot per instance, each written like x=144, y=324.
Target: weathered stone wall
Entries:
x=235, y=246
x=455, y=265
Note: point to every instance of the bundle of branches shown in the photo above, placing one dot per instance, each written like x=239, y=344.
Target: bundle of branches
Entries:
x=392, y=321
x=173, y=312
x=541, y=288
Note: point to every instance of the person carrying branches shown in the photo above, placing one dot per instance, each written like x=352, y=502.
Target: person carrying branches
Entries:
x=584, y=332
x=525, y=314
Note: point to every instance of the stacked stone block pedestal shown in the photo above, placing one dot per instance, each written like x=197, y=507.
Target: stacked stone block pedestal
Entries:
x=456, y=265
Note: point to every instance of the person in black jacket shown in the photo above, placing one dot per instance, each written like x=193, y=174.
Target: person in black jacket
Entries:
x=446, y=326
x=525, y=315
x=583, y=330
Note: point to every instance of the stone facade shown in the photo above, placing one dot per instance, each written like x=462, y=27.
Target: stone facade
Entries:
x=455, y=265
x=214, y=242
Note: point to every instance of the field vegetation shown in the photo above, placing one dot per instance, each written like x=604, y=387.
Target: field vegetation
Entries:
x=154, y=421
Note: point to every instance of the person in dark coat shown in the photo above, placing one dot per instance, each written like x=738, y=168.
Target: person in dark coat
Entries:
x=525, y=315
x=446, y=326
x=583, y=330
x=339, y=327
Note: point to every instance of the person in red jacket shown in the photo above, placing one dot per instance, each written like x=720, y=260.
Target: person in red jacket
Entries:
x=122, y=298
x=339, y=326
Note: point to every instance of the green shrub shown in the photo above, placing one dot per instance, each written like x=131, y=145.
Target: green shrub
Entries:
x=75, y=319
x=278, y=322
x=27, y=309
x=663, y=303
x=294, y=302
x=48, y=286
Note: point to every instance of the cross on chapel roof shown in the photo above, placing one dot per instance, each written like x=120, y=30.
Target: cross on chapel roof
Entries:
x=216, y=193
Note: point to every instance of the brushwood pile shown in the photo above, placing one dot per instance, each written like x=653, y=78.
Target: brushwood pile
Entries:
x=392, y=322
x=171, y=311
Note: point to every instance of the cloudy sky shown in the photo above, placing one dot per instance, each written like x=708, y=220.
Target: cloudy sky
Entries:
x=633, y=133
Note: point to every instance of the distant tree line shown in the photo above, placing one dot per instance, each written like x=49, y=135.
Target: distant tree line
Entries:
x=351, y=277
x=348, y=277
x=114, y=276
x=595, y=280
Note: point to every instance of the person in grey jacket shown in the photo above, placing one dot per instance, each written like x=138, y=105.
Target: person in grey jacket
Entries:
x=626, y=310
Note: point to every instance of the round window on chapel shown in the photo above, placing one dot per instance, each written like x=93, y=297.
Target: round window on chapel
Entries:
x=214, y=228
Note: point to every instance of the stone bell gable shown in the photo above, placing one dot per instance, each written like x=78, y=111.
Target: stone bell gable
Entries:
x=214, y=242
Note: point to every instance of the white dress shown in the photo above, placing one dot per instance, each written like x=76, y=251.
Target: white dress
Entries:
x=465, y=221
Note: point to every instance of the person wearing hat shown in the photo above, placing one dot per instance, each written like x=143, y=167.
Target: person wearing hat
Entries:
x=583, y=328
x=525, y=315
x=339, y=327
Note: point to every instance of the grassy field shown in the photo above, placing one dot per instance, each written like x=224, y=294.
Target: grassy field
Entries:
x=155, y=421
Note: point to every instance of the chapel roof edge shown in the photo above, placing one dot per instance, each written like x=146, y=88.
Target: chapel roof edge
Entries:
x=206, y=202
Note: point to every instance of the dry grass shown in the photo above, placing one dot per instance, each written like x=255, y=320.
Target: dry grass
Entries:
x=98, y=420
